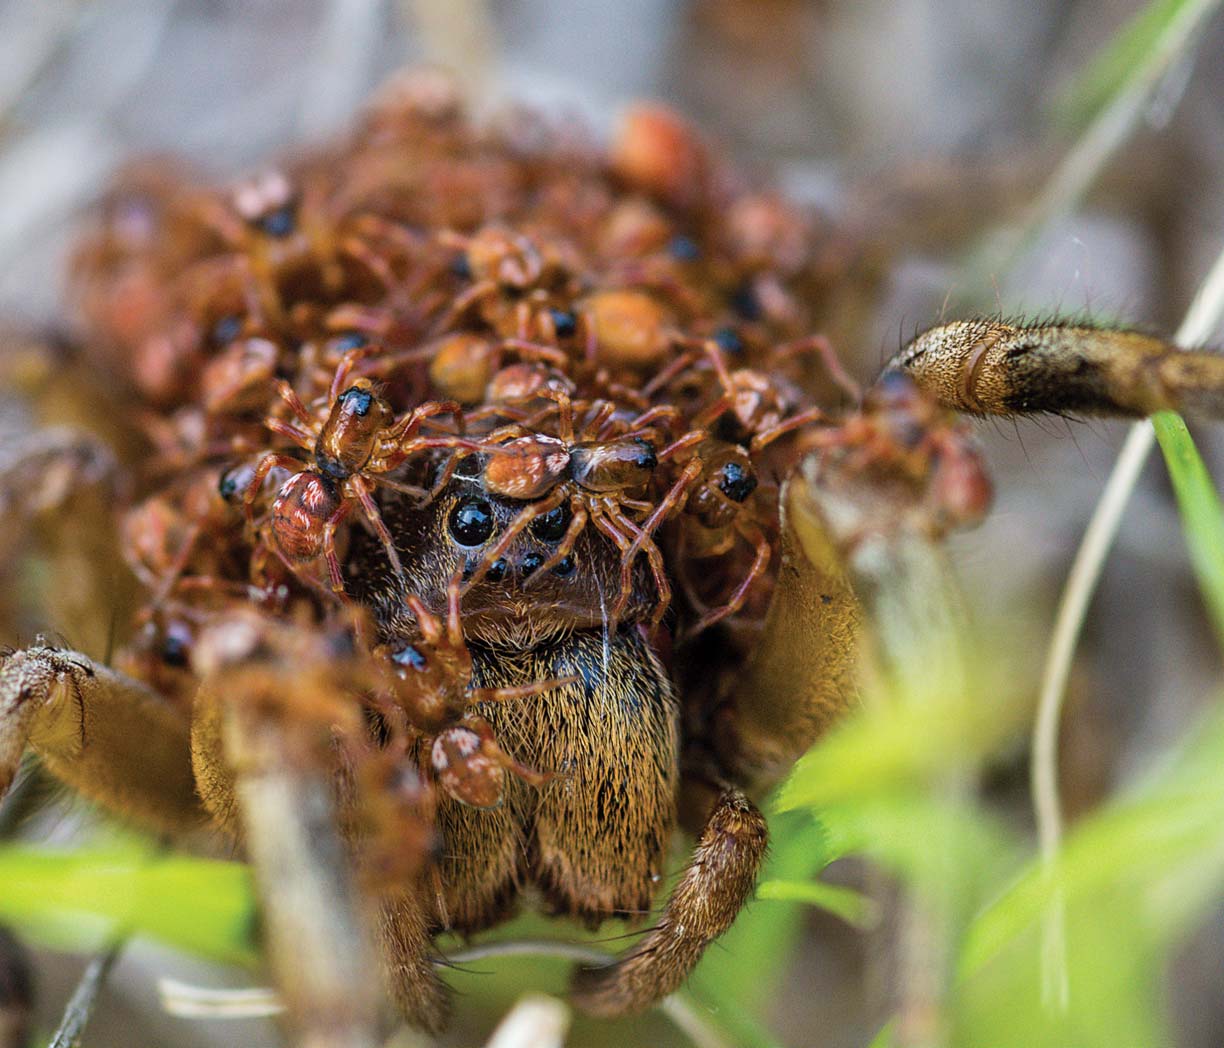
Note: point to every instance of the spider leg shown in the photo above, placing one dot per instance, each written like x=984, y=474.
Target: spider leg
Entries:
x=361, y=487
x=411, y=490
x=535, y=351
x=828, y=357
x=622, y=542
x=664, y=377
x=710, y=893
x=290, y=397
x=106, y=734
x=454, y=623
x=658, y=570
x=491, y=750
x=462, y=303
x=335, y=576
x=804, y=418
x=689, y=440
x=266, y=465
x=520, y=691
x=345, y=368
x=670, y=502
x=361, y=252
x=295, y=433
x=764, y=551
x=660, y=412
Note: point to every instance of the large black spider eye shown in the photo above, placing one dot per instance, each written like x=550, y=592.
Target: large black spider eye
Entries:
x=409, y=657
x=357, y=401
x=736, y=482
x=471, y=522
x=551, y=526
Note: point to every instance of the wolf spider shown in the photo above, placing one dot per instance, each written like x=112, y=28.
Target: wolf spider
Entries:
x=635, y=743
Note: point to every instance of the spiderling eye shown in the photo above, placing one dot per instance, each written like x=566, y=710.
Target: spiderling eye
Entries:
x=471, y=522
x=409, y=657
x=357, y=400
x=736, y=482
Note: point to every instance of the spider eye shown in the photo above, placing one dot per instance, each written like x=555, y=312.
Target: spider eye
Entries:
x=471, y=522
x=728, y=340
x=551, y=526
x=646, y=458
x=280, y=222
x=176, y=645
x=409, y=657
x=736, y=482
x=357, y=400
x=564, y=322
x=226, y=330
x=351, y=340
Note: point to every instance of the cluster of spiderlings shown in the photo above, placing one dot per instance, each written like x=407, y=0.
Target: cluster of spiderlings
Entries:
x=633, y=323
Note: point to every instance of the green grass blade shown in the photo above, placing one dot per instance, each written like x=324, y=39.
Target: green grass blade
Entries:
x=76, y=900
x=851, y=906
x=1108, y=70
x=1201, y=512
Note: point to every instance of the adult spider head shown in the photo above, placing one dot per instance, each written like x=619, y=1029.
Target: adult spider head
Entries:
x=525, y=595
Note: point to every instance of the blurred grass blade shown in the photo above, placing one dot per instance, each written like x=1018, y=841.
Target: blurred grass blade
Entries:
x=1116, y=119
x=1201, y=512
x=76, y=900
x=1132, y=878
x=851, y=906
x=1110, y=67
x=1141, y=843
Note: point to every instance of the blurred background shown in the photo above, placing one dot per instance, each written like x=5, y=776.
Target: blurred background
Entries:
x=921, y=125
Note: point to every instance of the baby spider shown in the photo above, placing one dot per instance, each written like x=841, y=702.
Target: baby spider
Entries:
x=354, y=444
x=431, y=689
x=592, y=475
x=712, y=493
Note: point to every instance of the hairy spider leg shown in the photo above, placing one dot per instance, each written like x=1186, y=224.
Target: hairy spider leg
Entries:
x=362, y=490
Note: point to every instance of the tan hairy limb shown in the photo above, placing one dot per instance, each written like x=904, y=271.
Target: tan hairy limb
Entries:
x=106, y=735
x=991, y=367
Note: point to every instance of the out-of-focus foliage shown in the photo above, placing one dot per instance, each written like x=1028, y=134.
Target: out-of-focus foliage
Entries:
x=1107, y=73
x=1202, y=515
x=77, y=900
